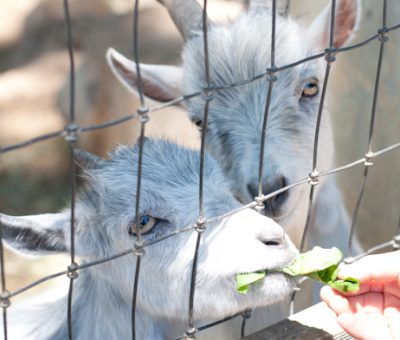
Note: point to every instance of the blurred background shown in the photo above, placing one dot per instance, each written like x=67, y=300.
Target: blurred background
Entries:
x=34, y=98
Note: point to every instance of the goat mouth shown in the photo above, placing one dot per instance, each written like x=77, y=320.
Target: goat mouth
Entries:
x=277, y=269
x=266, y=271
x=262, y=278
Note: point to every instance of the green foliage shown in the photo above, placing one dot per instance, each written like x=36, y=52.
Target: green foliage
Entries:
x=318, y=264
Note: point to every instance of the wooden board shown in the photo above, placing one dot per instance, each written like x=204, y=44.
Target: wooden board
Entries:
x=315, y=322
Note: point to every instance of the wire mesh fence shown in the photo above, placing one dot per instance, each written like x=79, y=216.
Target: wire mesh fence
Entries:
x=72, y=131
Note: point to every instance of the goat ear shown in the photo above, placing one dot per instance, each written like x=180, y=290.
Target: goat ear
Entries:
x=160, y=82
x=347, y=17
x=36, y=234
x=87, y=160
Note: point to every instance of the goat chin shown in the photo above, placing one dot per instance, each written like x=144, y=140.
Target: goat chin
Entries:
x=273, y=289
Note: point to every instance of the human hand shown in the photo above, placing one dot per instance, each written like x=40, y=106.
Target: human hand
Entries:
x=372, y=313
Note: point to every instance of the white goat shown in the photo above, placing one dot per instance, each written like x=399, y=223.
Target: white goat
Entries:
x=101, y=306
x=239, y=51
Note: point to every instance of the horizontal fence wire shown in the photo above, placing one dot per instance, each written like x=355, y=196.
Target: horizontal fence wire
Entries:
x=210, y=220
x=142, y=113
x=200, y=225
x=72, y=131
x=181, y=99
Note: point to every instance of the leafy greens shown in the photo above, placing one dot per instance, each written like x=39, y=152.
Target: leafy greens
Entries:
x=318, y=264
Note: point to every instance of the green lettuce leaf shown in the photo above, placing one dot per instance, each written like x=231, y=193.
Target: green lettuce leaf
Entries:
x=243, y=281
x=318, y=264
x=317, y=259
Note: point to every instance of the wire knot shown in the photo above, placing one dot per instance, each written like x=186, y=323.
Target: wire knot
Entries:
x=330, y=54
x=313, y=177
x=260, y=206
x=247, y=314
x=5, y=299
x=71, y=133
x=383, y=34
x=200, y=224
x=142, y=112
x=369, y=156
x=349, y=260
x=208, y=93
x=191, y=333
x=271, y=73
x=138, y=248
x=73, y=271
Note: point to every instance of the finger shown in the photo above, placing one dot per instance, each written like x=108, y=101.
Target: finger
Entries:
x=393, y=289
x=393, y=316
x=378, y=267
x=335, y=301
x=365, y=326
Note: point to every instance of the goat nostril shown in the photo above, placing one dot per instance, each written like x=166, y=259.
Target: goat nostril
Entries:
x=252, y=189
x=283, y=182
x=274, y=204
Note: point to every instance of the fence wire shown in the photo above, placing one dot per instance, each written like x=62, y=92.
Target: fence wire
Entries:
x=72, y=131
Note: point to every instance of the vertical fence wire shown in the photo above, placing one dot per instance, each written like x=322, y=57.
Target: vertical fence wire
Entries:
x=135, y=50
x=4, y=298
x=207, y=98
x=396, y=238
x=142, y=112
x=369, y=155
x=200, y=223
x=271, y=79
x=245, y=316
x=72, y=62
x=330, y=57
x=71, y=138
x=314, y=175
x=398, y=227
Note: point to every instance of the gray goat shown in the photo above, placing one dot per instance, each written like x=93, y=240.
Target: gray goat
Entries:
x=243, y=242
x=239, y=51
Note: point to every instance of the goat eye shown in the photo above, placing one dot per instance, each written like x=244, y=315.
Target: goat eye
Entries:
x=146, y=224
x=310, y=89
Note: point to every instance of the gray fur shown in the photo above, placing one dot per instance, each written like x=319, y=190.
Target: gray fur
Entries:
x=102, y=297
x=239, y=51
x=236, y=114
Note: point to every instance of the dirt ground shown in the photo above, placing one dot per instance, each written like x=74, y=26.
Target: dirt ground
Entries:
x=33, y=100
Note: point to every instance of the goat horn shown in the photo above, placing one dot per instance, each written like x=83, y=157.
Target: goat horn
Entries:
x=282, y=6
x=186, y=14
